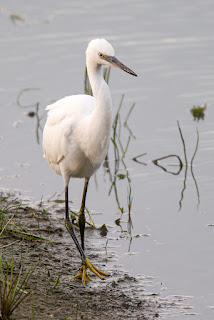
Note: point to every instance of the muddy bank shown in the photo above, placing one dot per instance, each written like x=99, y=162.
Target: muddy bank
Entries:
x=37, y=236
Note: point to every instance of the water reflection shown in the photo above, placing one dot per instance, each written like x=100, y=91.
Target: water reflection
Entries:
x=181, y=165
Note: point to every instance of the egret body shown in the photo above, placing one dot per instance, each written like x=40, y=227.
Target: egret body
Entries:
x=77, y=134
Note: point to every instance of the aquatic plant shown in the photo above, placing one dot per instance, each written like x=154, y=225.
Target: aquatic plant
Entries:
x=198, y=112
x=181, y=165
x=32, y=114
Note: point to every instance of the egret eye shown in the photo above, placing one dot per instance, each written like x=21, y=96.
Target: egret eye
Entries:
x=101, y=55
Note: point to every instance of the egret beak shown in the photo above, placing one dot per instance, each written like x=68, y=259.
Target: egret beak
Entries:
x=117, y=64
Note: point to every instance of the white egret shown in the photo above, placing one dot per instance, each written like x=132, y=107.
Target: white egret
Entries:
x=77, y=133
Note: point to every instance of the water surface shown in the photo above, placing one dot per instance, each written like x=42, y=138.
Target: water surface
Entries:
x=170, y=46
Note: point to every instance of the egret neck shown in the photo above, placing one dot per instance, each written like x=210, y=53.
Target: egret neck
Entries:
x=101, y=116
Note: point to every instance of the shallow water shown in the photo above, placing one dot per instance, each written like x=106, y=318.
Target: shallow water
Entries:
x=170, y=46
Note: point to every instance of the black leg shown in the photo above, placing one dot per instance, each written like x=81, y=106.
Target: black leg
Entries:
x=82, y=213
x=86, y=264
x=70, y=228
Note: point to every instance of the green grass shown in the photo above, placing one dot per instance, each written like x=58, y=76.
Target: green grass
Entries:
x=13, y=288
x=11, y=212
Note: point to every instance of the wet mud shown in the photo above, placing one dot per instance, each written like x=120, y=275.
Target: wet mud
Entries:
x=44, y=239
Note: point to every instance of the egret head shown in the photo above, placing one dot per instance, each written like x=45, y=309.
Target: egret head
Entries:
x=101, y=52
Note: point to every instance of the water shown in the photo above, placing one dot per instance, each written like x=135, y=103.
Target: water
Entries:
x=170, y=46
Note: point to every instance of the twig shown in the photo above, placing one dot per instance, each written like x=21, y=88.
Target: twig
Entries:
x=7, y=224
x=116, y=154
x=90, y=217
x=127, y=145
x=21, y=93
x=10, y=244
x=128, y=114
x=26, y=234
x=140, y=155
x=196, y=148
x=169, y=156
x=182, y=139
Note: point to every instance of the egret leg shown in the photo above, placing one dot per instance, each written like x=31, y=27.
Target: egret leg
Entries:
x=70, y=228
x=81, y=219
x=86, y=264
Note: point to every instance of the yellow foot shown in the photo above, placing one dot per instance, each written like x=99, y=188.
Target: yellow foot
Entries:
x=83, y=275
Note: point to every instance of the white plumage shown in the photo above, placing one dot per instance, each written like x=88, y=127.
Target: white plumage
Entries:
x=74, y=143
x=77, y=132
